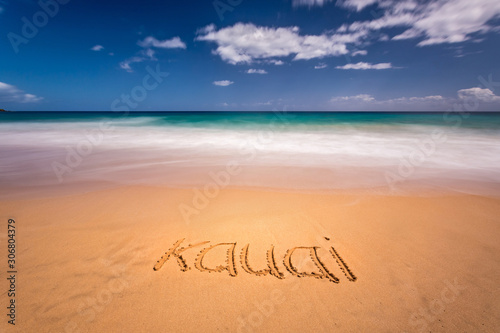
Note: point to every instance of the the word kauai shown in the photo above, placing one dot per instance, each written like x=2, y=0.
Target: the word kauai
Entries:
x=272, y=268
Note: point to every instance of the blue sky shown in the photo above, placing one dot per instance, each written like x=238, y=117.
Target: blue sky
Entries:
x=250, y=55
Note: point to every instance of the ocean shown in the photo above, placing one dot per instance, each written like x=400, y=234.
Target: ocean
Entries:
x=307, y=150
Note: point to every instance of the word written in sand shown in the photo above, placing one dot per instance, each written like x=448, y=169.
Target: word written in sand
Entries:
x=272, y=268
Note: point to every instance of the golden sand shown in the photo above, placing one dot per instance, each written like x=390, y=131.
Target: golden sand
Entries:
x=254, y=261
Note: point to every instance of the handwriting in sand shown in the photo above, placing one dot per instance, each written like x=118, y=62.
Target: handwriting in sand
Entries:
x=272, y=268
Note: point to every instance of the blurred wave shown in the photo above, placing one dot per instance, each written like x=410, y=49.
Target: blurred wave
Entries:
x=274, y=150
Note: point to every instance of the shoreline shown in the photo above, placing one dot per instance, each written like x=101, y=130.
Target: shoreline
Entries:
x=302, y=180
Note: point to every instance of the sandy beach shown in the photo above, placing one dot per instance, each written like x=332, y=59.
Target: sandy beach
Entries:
x=293, y=166
x=419, y=263
x=250, y=223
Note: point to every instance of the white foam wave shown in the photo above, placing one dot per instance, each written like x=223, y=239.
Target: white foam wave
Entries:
x=28, y=152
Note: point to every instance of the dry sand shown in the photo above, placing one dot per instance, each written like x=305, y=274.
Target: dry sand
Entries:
x=423, y=263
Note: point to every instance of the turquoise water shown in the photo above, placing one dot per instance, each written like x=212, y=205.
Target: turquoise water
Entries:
x=248, y=119
x=280, y=149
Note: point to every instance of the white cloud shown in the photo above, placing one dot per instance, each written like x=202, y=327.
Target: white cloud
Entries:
x=357, y=4
x=125, y=64
x=436, y=98
x=148, y=53
x=97, y=48
x=485, y=98
x=143, y=55
x=370, y=98
x=246, y=43
x=309, y=3
x=321, y=66
x=10, y=93
x=436, y=21
x=427, y=98
x=256, y=71
x=276, y=62
x=452, y=21
x=480, y=94
x=361, y=97
x=365, y=102
x=223, y=83
x=264, y=103
x=365, y=66
x=360, y=52
x=173, y=43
